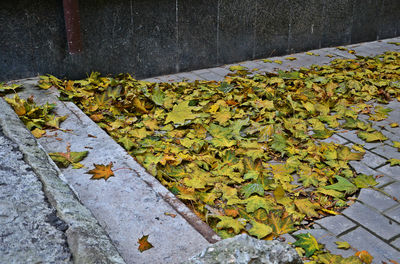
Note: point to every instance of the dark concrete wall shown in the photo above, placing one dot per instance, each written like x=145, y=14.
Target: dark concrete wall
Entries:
x=154, y=37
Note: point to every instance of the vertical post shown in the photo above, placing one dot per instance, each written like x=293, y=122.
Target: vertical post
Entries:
x=72, y=26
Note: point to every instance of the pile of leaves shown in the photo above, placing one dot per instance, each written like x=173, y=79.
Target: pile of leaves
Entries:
x=247, y=154
x=36, y=118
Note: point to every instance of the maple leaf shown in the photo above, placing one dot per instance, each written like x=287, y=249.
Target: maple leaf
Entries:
x=280, y=223
x=252, y=188
x=394, y=162
x=328, y=258
x=126, y=142
x=68, y=158
x=342, y=185
x=180, y=113
x=306, y=207
x=364, y=256
x=144, y=244
x=307, y=242
x=259, y=230
x=158, y=96
x=255, y=202
x=101, y=171
x=364, y=181
x=371, y=136
x=229, y=222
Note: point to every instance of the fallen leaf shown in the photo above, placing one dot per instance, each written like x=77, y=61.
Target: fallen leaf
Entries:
x=364, y=256
x=307, y=242
x=144, y=244
x=101, y=171
x=342, y=245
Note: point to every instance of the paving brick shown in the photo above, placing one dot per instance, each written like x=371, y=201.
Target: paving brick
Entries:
x=392, y=171
x=327, y=239
x=168, y=78
x=393, y=190
x=386, y=151
x=211, y=76
x=361, y=239
x=394, y=213
x=391, y=136
x=220, y=71
x=352, y=136
x=335, y=139
x=376, y=199
x=188, y=76
x=396, y=243
x=372, y=160
x=251, y=64
x=336, y=224
x=197, y=72
x=372, y=220
x=153, y=80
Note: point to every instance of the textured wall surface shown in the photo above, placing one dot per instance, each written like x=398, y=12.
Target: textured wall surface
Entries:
x=154, y=37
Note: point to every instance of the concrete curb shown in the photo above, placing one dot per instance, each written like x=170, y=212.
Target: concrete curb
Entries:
x=87, y=240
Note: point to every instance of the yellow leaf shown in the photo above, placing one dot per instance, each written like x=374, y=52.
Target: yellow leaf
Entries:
x=259, y=230
x=180, y=113
x=38, y=133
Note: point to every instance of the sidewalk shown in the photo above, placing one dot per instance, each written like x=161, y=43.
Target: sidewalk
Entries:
x=372, y=223
x=133, y=203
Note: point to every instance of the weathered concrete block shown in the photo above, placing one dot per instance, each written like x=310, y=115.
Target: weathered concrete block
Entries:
x=244, y=249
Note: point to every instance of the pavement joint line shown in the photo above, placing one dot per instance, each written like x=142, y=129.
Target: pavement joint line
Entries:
x=368, y=229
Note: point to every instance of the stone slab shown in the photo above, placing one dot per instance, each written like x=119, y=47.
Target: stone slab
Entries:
x=394, y=213
x=327, y=239
x=361, y=239
x=393, y=190
x=376, y=199
x=372, y=220
x=336, y=224
x=129, y=205
x=392, y=171
x=87, y=241
x=30, y=232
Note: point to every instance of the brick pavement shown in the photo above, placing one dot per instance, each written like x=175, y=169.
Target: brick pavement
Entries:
x=372, y=223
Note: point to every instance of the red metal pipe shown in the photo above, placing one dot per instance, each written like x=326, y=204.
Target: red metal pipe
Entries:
x=72, y=26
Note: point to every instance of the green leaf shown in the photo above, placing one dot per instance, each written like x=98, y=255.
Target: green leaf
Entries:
x=259, y=230
x=342, y=245
x=252, y=188
x=307, y=242
x=229, y=222
x=256, y=202
x=279, y=143
x=371, y=136
x=364, y=181
x=342, y=185
x=225, y=87
x=158, y=96
x=394, y=162
x=126, y=142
